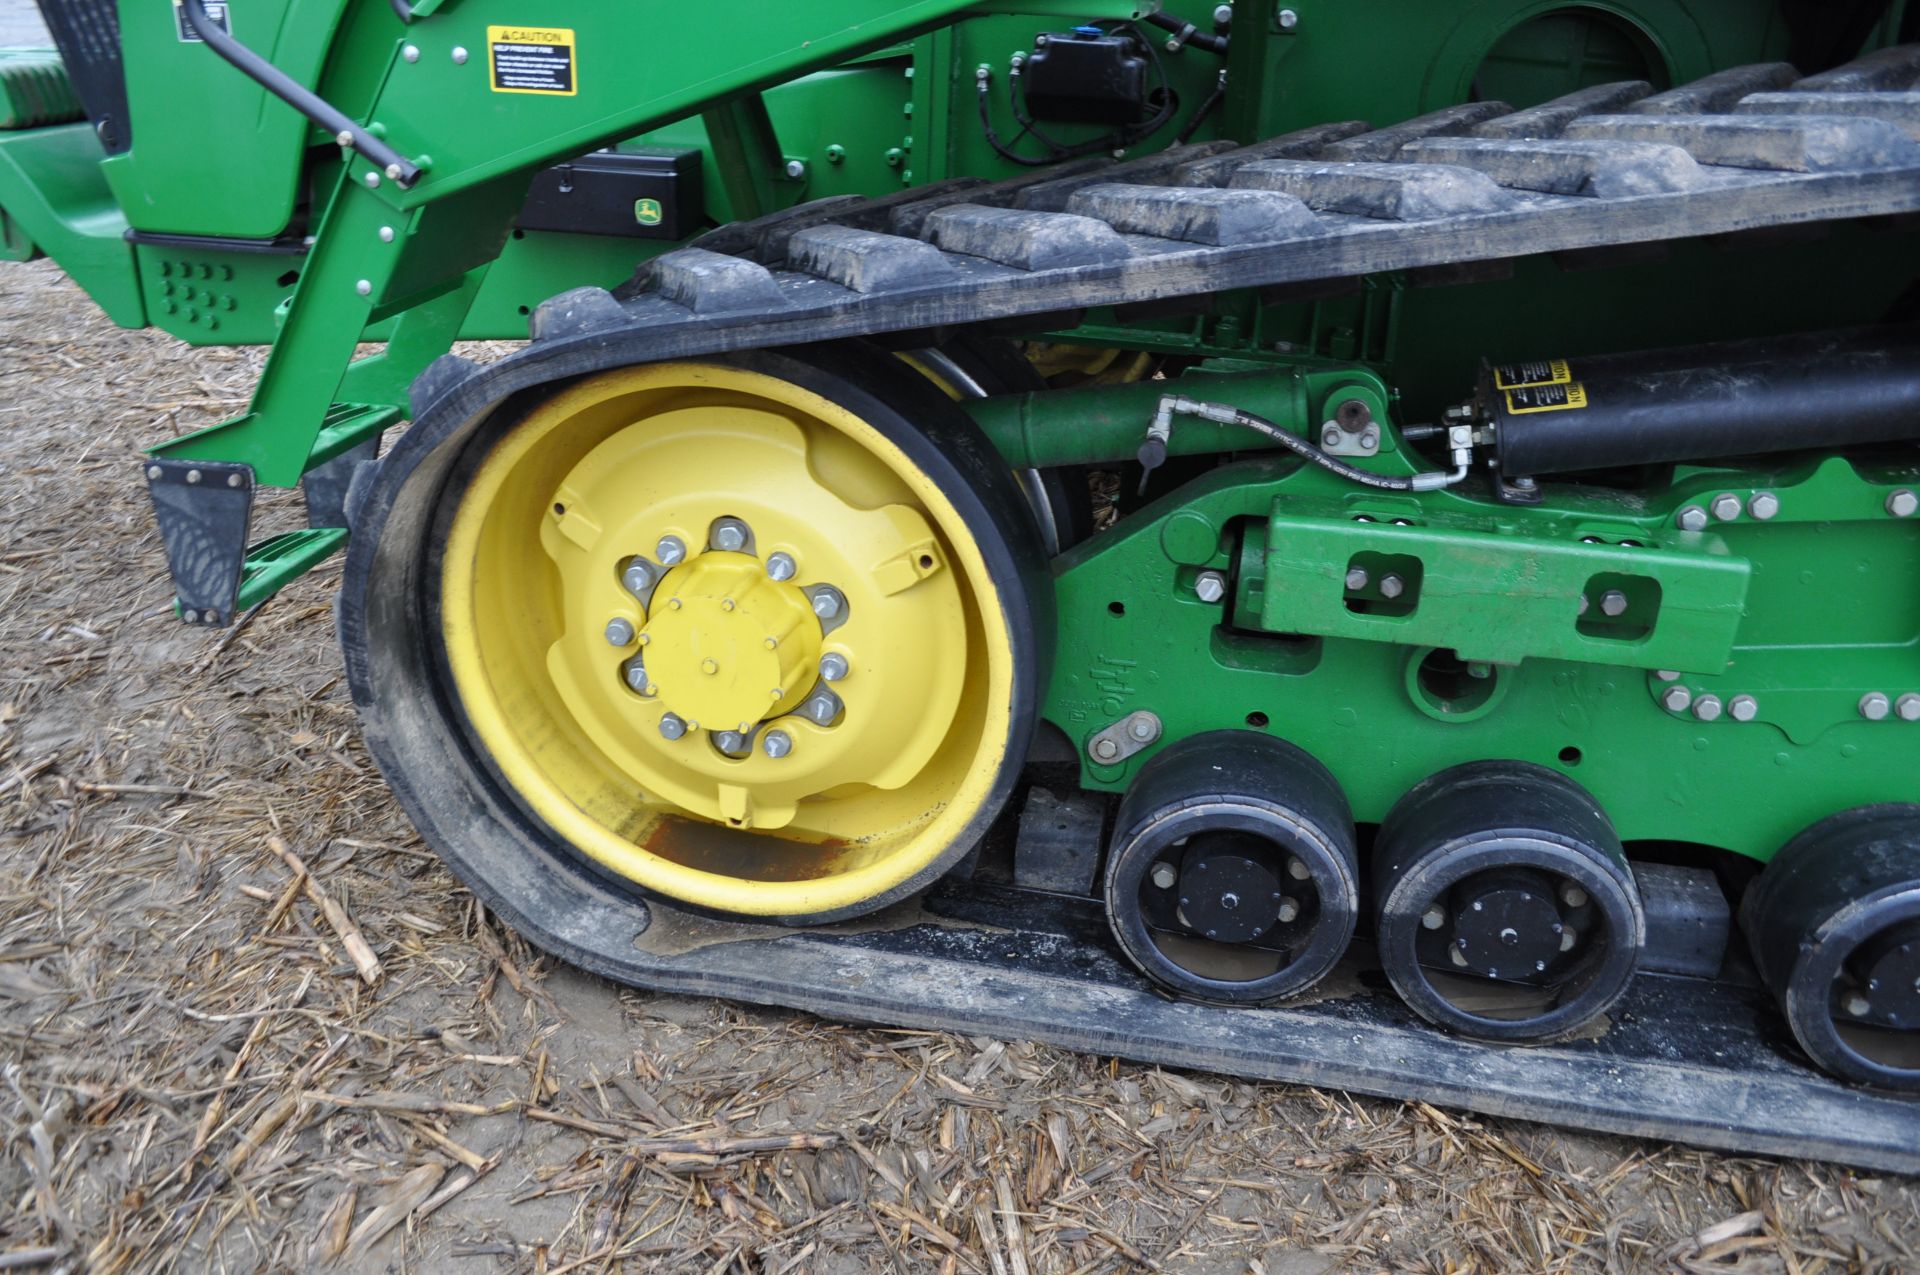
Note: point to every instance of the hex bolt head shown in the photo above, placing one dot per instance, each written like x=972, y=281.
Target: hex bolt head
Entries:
x=781, y=566
x=1573, y=895
x=459, y=56
x=1164, y=875
x=671, y=550
x=1743, y=708
x=1357, y=578
x=1726, y=506
x=1613, y=602
x=1105, y=749
x=729, y=535
x=777, y=744
x=620, y=631
x=1288, y=911
x=1210, y=586
x=1434, y=917
x=1707, y=708
x=1857, y=1005
x=1763, y=505
x=1370, y=438
x=1287, y=19
x=796, y=169
x=364, y=288
x=1874, y=706
x=729, y=741
x=1692, y=518
x=1331, y=435
x=1903, y=503
x=833, y=666
x=1222, y=14
x=636, y=677
x=639, y=577
x=673, y=726
x=826, y=603
x=1675, y=699
x=1586, y=604
x=1908, y=707
x=1667, y=675
x=1297, y=868
x=1392, y=586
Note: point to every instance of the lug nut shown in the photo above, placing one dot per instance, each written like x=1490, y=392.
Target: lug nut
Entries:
x=1857, y=1005
x=1434, y=917
x=729, y=535
x=1743, y=708
x=620, y=631
x=820, y=708
x=1908, y=707
x=673, y=726
x=1675, y=699
x=1573, y=895
x=781, y=566
x=1568, y=937
x=636, y=676
x=730, y=742
x=1297, y=868
x=826, y=603
x=1164, y=875
x=1903, y=503
x=639, y=577
x=1613, y=602
x=1763, y=505
x=833, y=666
x=1392, y=586
x=1726, y=506
x=1356, y=579
x=671, y=550
x=1875, y=706
x=1289, y=911
x=777, y=744
x=1707, y=708
x=1210, y=586
x=1692, y=518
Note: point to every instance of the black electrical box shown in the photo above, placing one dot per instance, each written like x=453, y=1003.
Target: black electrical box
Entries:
x=1086, y=76
x=643, y=194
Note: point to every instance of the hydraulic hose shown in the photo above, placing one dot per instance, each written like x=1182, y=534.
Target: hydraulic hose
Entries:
x=1172, y=405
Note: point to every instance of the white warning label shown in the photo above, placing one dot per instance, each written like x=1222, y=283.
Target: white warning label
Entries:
x=532, y=60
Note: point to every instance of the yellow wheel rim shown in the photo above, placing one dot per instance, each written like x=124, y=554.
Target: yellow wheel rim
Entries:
x=726, y=639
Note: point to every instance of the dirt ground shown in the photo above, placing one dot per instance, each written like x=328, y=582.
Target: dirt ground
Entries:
x=198, y=1077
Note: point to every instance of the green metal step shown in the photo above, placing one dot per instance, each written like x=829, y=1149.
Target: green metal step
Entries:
x=279, y=560
x=34, y=90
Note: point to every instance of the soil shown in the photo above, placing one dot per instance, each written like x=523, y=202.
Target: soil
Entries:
x=200, y=1075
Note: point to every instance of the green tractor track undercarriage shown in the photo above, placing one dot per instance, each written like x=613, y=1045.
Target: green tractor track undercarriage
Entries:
x=1043, y=521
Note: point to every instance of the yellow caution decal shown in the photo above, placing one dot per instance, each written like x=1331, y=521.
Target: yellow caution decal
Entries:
x=1508, y=376
x=532, y=60
x=1546, y=398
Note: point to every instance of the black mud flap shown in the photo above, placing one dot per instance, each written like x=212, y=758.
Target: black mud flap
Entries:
x=204, y=508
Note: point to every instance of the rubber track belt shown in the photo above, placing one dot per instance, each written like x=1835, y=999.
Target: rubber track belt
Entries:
x=1740, y=150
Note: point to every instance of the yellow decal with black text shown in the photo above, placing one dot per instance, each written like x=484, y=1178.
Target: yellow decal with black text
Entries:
x=532, y=60
x=1507, y=376
x=1546, y=398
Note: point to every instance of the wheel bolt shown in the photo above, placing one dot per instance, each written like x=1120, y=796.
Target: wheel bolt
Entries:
x=731, y=742
x=639, y=577
x=1297, y=868
x=1573, y=896
x=826, y=603
x=1568, y=937
x=671, y=550
x=1434, y=917
x=729, y=535
x=673, y=726
x=833, y=666
x=1613, y=602
x=1289, y=911
x=1164, y=875
x=777, y=744
x=781, y=566
x=636, y=676
x=620, y=631
x=1857, y=1005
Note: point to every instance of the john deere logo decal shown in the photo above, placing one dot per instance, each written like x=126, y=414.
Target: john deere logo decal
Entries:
x=647, y=212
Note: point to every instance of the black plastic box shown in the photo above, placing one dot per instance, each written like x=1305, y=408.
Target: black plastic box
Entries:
x=639, y=194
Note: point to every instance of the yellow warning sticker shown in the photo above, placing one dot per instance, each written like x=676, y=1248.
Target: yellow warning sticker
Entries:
x=1507, y=376
x=532, y=60
x=1546, y=398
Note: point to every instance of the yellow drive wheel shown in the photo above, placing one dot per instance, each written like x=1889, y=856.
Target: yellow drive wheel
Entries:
x=753, y=633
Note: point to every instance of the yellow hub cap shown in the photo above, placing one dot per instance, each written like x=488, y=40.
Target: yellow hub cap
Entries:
x=727, y=643
x=725, y=638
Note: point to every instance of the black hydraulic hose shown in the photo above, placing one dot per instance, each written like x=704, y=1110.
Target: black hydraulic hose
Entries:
x=304, y=100
x=1189, y=34
x=1307, y=451
x=1205, y=109
x=1178, y=404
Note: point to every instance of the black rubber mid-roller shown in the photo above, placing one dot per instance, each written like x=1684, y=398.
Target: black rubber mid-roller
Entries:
x=1232, y=874
x=1506, y=909
x=1834, y=923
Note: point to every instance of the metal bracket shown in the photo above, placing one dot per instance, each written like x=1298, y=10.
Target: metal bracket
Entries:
x=204, y=508
x=1124, y=738
x=1352, y=431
